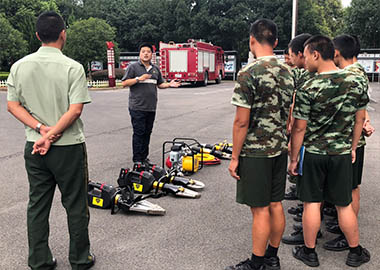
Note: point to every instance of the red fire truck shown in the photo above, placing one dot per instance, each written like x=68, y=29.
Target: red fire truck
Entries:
x=194, y=61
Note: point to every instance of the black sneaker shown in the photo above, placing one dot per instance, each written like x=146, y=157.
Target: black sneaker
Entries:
x=295, y=210
x=245, y=265
x=293, y=188
x=272, y=263
x=91, y=258
x=356, y=260
x=54, y=262
x=337, y=244
x=147, y=161
x=332, y=221
x=308, y=259
x=291, y=195
x=334, y=229
x=330, y=211
x=298, y=217
x=296, y=238
x=297, y=226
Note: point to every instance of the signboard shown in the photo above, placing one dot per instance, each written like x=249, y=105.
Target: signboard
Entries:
x=96, y=65
x=230, y=64
x=368, y=65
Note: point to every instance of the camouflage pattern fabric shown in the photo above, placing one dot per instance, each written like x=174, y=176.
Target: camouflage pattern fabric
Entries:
x=359, y=70
x=301, y=76
x=329, y=102
x=265, y=86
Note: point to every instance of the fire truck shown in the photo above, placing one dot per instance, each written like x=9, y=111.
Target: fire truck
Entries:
x=194, y=62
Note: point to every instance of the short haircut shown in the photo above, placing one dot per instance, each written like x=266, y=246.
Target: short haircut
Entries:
x=264, y=31
x=297, y=43
x=357, y=45
x=146, y=44
x=346, y=45
x=49, y=25
x=321, y=44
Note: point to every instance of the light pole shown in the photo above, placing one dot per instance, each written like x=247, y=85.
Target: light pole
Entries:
x=294, y=18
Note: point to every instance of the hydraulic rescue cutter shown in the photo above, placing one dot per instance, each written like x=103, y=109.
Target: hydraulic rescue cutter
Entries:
x=171, y=177
x=115, y=198
x=144, y=183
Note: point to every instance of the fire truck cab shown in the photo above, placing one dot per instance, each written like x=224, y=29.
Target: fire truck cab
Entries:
x=194, y=62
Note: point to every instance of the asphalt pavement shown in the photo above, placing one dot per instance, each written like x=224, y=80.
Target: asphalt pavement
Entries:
x=203, y=234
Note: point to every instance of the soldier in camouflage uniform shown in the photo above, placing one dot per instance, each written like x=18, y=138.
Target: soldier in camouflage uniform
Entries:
x=346, y=50
x=329, y=112
x=262, y=97
x=301, y=75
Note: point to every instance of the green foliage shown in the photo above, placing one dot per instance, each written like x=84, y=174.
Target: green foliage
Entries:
x=222, y=22
x=4, y=76
x=363, y=20
x=86, y=40
x=22, y=14
x=12, y=44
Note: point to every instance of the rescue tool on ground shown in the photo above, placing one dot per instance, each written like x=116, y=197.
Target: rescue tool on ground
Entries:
x=182, y=158
x=144, y=183
x=194, y=62
x=161, y=175
x=115, y=198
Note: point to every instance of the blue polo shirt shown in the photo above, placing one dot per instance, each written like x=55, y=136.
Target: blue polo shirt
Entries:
x=143, y=95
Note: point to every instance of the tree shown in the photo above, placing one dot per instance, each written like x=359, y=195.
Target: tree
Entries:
x=362, y=19
x=86, y=41
x=12, y=44
x=22, y=14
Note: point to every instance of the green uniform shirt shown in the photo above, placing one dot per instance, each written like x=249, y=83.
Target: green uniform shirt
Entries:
x=301, y=76
x=46, y=83
x=358, y=69
x=265, y=87
x=329, y=102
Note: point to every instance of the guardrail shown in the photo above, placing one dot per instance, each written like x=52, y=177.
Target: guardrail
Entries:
x=100, y=84
x=93, y=84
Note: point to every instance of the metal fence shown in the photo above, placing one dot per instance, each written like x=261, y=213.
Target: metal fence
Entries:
x=90, y=84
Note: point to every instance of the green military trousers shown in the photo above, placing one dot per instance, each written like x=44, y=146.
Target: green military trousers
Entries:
x=65, y=166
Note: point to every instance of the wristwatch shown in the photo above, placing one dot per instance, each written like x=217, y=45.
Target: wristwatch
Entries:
x=137, y=79
x=38, y=128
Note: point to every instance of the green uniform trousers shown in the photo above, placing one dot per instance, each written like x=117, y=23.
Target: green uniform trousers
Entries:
x=65, y=166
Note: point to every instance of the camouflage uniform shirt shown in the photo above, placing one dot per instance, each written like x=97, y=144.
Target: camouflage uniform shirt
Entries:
x=301, y=76
x=359, y=70
x=265, y=86
x=329, y=102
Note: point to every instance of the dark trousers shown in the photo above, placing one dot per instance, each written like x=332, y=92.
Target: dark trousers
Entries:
x=142, y=123
x=65, y=166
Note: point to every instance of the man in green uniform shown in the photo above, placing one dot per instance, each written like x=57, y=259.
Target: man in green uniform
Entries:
x=344, y=58
x=46, y=92
x=301, y=75
x=329, y=112
x=262, y=97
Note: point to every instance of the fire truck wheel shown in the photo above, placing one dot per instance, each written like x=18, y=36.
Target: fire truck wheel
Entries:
x=219, y=78
x=205, y=82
